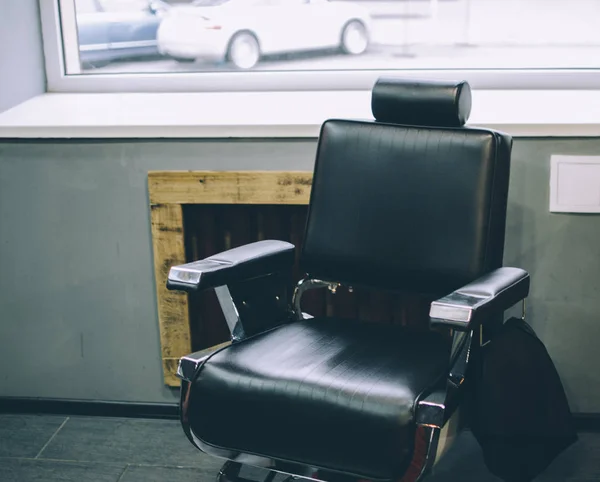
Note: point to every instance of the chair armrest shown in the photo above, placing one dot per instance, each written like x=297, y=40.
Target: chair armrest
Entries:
x=491, y=294
x=234, y=265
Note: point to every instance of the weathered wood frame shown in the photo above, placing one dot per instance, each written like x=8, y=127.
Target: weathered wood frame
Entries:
x=168, y=192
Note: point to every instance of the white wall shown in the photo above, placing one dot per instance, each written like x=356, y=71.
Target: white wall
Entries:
x=22, y=72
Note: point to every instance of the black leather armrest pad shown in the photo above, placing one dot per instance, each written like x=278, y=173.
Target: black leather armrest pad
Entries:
x=493, y=293
x=237, y=264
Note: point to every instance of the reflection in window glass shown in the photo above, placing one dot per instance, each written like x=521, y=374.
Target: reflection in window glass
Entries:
x=87, y=6
x=208, y=3
x=124, y=5
x=174, y=36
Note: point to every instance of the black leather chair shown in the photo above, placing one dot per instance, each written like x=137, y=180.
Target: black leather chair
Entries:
x=412, y=202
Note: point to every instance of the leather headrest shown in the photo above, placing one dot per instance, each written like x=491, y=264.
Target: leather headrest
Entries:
x=421, y=102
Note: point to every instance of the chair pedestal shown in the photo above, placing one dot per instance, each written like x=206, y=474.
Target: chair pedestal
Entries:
x=427, y=442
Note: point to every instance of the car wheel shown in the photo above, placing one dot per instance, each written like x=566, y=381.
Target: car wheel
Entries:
x=244, y=51
x=355, y=38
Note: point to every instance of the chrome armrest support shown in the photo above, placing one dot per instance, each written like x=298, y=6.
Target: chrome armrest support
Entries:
x=435, y=409
x=251, y=283
x=256, y=305
x=303, y=286
x=459, y=357
x=231, y=313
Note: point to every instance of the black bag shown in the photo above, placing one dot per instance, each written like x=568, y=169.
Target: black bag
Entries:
x=520, y=413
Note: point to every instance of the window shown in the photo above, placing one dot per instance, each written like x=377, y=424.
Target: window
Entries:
x=87, y=6
x=154, y=45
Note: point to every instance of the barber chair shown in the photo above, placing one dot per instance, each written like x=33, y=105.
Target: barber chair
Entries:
x=411, y=202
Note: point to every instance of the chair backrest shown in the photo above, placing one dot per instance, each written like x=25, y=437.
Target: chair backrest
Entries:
x=413, y=200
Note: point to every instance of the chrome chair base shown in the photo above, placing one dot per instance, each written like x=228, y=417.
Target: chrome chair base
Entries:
x=424, y=458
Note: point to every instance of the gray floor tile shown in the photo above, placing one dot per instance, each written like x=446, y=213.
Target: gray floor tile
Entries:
x=117, y=440
x=464, y=462
x=98, y=449
x=170, y=474
x=23, y=470
x=206, y=472
x=25, y=435
x=581, y=461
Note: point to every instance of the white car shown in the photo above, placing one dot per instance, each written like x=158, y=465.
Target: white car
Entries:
x=241, y=31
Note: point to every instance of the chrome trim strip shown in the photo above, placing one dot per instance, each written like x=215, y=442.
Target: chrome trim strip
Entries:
x=185, y=275
x=444, y=311
x=431, y=411
x=191, y=273
x=456, y=306
x=188, y=365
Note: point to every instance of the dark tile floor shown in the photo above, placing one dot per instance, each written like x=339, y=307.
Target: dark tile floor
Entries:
x=82, y=449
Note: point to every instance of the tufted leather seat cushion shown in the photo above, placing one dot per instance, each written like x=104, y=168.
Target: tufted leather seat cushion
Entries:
x=330, y=393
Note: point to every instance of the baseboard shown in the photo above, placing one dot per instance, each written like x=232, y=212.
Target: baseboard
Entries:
x=169, y=411
x=585, y=422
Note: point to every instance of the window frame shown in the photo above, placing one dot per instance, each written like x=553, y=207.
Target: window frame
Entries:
x=58, y=56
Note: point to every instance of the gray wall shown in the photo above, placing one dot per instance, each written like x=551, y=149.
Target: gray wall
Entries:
x=77, y=296
x=22, y=73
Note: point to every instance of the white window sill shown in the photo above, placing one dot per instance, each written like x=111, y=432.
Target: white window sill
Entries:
x=277, y=114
